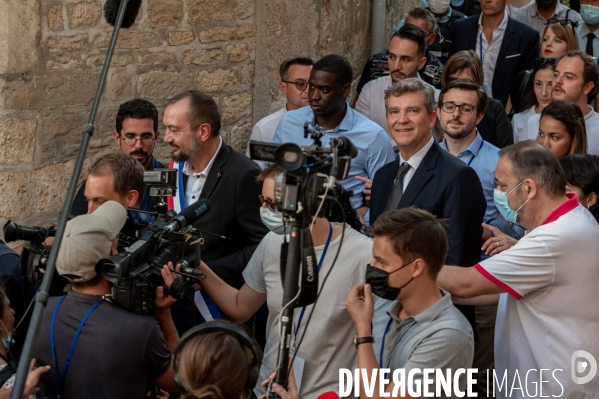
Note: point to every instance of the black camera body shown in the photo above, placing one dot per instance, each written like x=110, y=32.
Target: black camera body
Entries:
x=310, y=171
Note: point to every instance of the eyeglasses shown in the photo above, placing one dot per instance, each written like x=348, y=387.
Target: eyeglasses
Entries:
x=131, y=140
x=465, y=109
x=562, y=22
x=543, y=61
x=301, y=85
x=270, y=204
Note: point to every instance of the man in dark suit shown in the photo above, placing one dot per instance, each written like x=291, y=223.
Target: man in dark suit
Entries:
x=427, y=177
x=504, y=45
x=209, y=168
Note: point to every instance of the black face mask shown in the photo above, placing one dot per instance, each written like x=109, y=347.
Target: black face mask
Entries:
x=379, y=281
x=545, y=4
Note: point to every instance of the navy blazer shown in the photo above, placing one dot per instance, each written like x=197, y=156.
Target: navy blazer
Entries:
x=518, y=51
x=449, y=189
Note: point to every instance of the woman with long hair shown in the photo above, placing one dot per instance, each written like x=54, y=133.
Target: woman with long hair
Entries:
x=562, y=129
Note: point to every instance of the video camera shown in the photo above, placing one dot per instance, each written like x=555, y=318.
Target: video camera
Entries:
x=158, y=238
x=306, y=189
x=311, y=172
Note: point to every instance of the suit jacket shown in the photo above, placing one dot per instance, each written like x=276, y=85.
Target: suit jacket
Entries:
x=232, y=188
x=518, y=51
x=447, y=188
x=495, y=127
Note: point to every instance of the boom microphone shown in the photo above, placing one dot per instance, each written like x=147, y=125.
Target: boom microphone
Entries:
x=189, y=215
x=111, y=9
x=346, y=146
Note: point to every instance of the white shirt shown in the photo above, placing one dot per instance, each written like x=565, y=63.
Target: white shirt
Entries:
x=414, y=162
x=371, y=102
x=264, y=130
x=550, y=310
x=581, y=33
x=196, y=181
x=489, y=52
x=520, y=124
x=591, y=122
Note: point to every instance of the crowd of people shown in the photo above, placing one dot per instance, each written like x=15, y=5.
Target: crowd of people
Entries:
x=466, y=235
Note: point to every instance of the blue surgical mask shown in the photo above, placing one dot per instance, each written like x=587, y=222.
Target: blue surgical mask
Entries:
x=273, y=220
x=589, y=14
x=500, y=198
x=9, y=340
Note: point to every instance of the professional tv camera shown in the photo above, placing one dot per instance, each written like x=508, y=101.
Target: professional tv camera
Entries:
x=148, y=241
x=308, y=188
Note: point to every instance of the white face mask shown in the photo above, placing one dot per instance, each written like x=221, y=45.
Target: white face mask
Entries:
x=273, y=220
x=438, y=6
x=9, y=340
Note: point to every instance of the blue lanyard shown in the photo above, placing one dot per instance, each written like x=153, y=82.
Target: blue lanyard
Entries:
x=324, y=252
x=60, y=379
x=474, y=156
x=145, y=208
x=181, y=193
x=398, y=341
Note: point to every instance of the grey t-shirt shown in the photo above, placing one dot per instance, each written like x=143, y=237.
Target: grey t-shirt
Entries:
x=328, y=344
x=440, y=337
x=116, y=356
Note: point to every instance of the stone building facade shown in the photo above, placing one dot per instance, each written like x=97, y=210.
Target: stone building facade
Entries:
x=52, y=51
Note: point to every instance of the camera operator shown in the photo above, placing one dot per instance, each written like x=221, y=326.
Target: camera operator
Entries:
x=114, y=353
x=327, y=344
x=136, y=134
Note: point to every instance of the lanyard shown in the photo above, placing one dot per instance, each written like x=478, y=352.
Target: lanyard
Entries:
x=473, y=155
x=398, y=341
x=181, y=193
x=145, y=208
x=324, y=252
x=60, y=378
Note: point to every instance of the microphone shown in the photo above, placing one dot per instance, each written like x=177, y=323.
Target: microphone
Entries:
x=111, y=9
x=189, y=215
x=346, y=146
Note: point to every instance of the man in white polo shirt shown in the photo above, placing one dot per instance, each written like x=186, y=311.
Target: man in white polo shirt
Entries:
x=576, y=75
x=551, y=275
x=406, y=56
x=294, y=73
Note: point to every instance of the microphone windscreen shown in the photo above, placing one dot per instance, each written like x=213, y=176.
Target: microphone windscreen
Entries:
x=111, y=10
x=196, y=210
x=328, y=395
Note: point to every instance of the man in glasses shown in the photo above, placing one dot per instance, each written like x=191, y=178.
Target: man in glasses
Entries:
x=461, y=107
x=539, y=13
x=136, y=134
x=294, y=73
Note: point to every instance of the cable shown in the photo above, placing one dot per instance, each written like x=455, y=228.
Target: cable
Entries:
x=324, y=197
x=321, y=287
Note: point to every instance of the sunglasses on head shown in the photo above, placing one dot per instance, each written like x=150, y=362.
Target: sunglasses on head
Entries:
x=543, y=61
x=562, y=22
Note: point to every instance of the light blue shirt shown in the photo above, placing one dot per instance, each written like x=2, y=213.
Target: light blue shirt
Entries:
x=374, y=147
x=482, y=156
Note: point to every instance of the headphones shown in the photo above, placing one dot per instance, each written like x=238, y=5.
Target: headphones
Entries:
x=230, y=329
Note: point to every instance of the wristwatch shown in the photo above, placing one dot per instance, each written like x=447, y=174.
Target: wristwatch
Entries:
x=363, y=340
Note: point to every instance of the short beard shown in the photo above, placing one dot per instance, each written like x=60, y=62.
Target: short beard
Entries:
x=185, y=156
x=464, y=132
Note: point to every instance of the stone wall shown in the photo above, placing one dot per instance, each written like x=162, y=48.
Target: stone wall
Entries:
x=52, y=51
